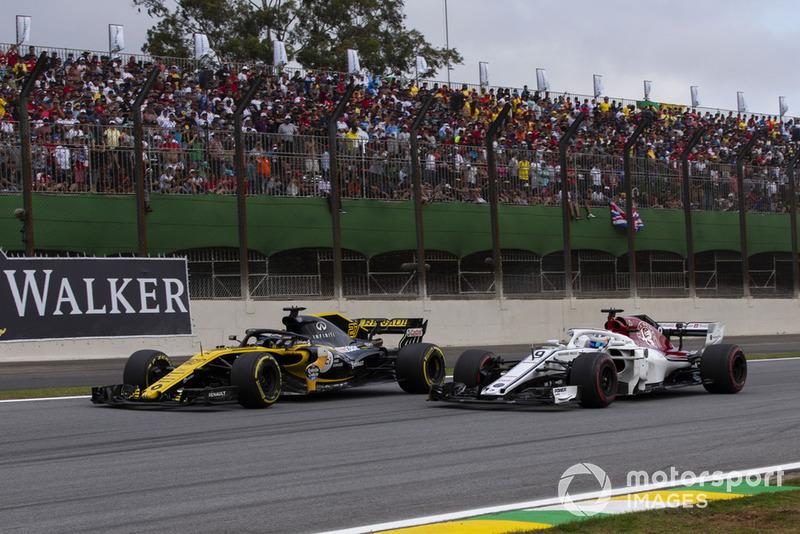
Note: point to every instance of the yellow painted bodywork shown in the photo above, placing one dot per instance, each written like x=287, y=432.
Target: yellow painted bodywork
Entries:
x=187, y=368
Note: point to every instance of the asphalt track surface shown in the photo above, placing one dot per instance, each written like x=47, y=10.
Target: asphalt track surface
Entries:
x=361, y=456
x=53, y=374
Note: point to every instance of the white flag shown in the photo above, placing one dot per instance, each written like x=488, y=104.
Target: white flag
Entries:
x=116, y=38
x=201, y=45
x=542, y=84
x=782, y=105
x=353, y=65
x=695, y=99
x=598, y=85
x=422, y=65
x=647, y=87
x=483, y=71
x=23, y=29
x=279, y=57
x=741, y=105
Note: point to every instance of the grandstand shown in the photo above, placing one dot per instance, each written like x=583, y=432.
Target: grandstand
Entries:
x=82, y=164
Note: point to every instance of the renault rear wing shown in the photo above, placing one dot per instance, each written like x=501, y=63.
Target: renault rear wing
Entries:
x=413, y=329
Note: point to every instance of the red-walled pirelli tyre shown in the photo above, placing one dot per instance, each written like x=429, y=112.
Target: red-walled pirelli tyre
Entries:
x=257, y=376
x=596, y=375
x=723, y=368
x=145, y=367
x=419, y=366
x=475, y=367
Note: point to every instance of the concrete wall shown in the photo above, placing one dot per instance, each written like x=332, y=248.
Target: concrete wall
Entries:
x=451, y=322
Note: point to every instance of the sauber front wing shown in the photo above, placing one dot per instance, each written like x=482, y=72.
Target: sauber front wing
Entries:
x=459, y=393
x=122, y=395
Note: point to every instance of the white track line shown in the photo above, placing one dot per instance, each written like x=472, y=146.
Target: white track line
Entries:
x=48, y=398
x=405, y=523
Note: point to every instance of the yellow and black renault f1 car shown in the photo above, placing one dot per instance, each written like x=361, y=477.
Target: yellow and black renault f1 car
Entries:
x=312, y=353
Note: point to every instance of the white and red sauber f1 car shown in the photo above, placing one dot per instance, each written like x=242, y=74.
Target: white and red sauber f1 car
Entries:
x=630, y=356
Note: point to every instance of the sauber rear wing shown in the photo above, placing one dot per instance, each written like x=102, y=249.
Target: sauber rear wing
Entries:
x=413, y=329
x=713, y=332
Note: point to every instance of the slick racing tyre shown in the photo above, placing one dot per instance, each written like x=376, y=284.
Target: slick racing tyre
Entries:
x=257, y=376
x=476, y=367
x=723, y=368
x=419, y=366
x=145, y=367
x=596, y=375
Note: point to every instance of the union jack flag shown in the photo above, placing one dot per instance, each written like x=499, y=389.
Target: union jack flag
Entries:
x=619, y=218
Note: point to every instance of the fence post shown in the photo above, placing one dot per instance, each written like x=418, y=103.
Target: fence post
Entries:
x=417, y=178
x=793, y=223
x=25, y=153
x=336, y=191
x=743, y=212
x=142, y=195
x=646, y=119
x=563, y=145
x=241, y=183
x=687, y=209
x=492, y=168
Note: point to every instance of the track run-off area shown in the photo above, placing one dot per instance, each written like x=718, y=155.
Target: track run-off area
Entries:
x=363, y=457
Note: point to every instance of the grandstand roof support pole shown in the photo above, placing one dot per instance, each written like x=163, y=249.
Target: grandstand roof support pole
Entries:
x=687, y=208
x=743, y=211
x=241, y=183
x=491, y=163
x=142, y=195
x=25, y=152
x=416, y=176
x=563, y=145
x=793, y=222
x=336, y=190
x=644, y=122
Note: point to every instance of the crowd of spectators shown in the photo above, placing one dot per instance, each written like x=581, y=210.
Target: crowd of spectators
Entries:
x=82, y=137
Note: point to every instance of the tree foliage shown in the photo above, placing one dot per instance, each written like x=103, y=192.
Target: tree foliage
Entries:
x=317, y=33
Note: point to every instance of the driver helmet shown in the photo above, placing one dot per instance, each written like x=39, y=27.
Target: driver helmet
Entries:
x=599, y=342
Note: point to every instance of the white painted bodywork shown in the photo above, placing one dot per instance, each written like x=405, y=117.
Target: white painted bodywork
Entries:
x=638, y=368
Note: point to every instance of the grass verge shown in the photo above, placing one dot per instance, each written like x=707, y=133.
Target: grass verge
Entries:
x=775, y=355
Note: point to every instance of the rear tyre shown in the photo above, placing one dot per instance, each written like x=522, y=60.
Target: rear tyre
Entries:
x=723, y=368
x=145, y=367
x=419, y=366
x=596, y=375
x=476, y=367
x=257, y=376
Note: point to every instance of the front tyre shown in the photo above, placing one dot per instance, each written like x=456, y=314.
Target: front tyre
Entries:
x=596, y=375
x=257, y=376
x=476, y=368
x=723, y=368
x=145, y=367
x=419, y=366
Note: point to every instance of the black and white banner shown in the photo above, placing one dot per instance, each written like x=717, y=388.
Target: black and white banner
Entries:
x=57, y=298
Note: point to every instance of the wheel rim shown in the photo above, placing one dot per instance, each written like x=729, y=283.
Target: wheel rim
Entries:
x=738, y=369
x=267, y=379
x=434, y=369
x=607, y=381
